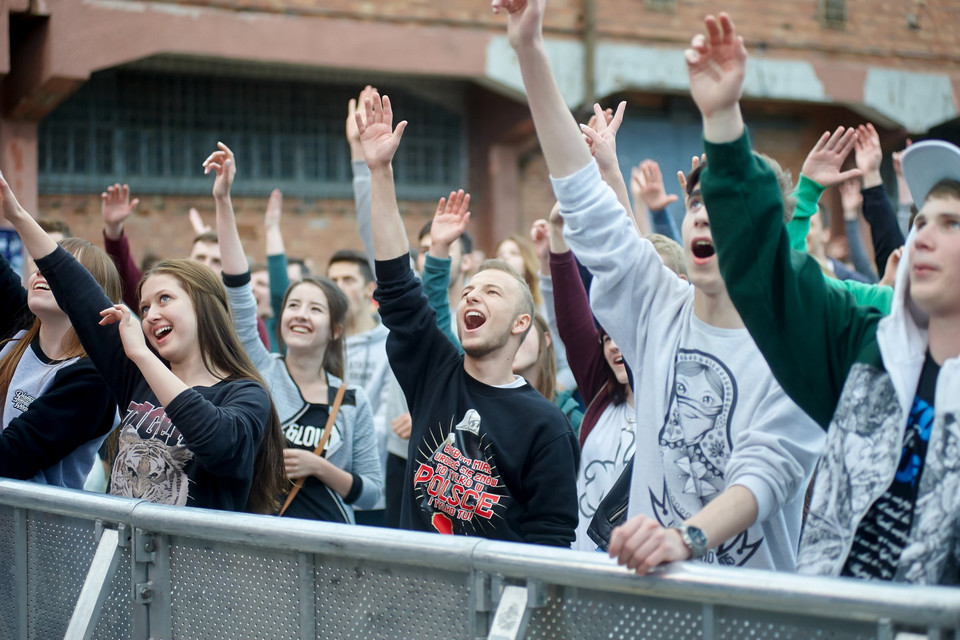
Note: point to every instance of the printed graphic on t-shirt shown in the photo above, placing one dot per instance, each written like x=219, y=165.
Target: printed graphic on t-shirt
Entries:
x=600, y=474
x=21, y=400
x=306, y=431
x=695, y=445
x=456, y=483
x=151, y=457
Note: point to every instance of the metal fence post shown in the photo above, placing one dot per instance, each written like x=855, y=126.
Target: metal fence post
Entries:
x=20, y=569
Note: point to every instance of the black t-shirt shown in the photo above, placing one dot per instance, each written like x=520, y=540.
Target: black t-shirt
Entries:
x=315, y=501
x=883, y=532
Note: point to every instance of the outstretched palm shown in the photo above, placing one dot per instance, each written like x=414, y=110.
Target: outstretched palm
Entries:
x=716, y=64
x=377, y=136
x=115, y=204
x=450, y=220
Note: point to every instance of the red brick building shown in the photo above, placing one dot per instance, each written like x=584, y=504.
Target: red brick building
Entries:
x=98, y=91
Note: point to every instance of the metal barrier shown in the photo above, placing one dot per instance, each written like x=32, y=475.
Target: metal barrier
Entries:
x=82, y=565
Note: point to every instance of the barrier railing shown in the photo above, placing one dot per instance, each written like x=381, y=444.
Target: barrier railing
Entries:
x=82, y=565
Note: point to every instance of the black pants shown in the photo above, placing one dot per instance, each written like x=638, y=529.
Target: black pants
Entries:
x=396, y=469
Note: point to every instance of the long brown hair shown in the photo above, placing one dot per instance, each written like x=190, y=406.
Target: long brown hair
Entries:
x=334, y=357
x=531, y=265
x=546, y=360
x=220, y=350
x=104, y=271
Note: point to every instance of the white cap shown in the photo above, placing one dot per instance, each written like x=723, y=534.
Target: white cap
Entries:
x=926, y=163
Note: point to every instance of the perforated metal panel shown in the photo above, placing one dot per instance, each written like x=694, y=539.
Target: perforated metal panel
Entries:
x=357, y=599
x=575, y=614
x=230, y=592
x=8, y=610
x=60, y=552
x=739, y=624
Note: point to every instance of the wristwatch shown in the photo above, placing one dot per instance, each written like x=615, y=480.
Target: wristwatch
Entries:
x=694, y=538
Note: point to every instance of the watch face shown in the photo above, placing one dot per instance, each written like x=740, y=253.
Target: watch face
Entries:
x=697, y=537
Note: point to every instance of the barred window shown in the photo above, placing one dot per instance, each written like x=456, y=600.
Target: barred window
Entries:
x=833, y=13
x=153, y=130
x=660, y=5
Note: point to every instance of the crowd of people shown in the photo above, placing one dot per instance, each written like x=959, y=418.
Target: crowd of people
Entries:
x=724, y=391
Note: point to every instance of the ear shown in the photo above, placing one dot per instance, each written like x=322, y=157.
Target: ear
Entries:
x=337, y=331
x=520, y=324
x=370, y=288
x=466, y=263
x=547, y=337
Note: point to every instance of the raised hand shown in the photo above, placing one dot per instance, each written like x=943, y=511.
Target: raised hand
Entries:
x=524, y=20
x=197, y=223
x=601, y=135
x=449, y=222
x=823, y=163
x=716, y=65
x=869, y=155
x=12, y=210
x=903, y=189
x=695, y=162
x=377, y=135
x=271, y=217
x=353, y=132
x=646, y=185
x=540, y=237
x=224, y=165
x=116, y=207
x=131, y=332
x=851, y=199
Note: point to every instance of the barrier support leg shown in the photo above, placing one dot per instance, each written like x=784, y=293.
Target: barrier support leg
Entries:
x=96, y=588
x=514, y=608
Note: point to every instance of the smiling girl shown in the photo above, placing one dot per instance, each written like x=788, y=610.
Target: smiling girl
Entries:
x=198, y=427
x=305, y=380
x=56, y=410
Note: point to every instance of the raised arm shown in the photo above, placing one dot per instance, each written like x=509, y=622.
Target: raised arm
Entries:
x=224, y=166
x=380, y=141
x=116, y=207
x=361, y=172
x=449, y=222
x=877, y=209
x=650, y=199
x=821, y=169
x=559, y=135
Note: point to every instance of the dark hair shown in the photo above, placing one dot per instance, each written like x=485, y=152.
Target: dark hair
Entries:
x=221, y=350
x=300, y=262
x=784, y=180
x=946, y=188
x=334, y=358
x=466, y=240
x=618, y=391
x=356, y=257
x=55, y=226
x=207, y=237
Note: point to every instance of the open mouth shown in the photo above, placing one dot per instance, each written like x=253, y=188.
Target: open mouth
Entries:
x=702, y=250
x=618, y=360
x=162, y=332
x=473, y=320
x=299, y=329
x=41, y=286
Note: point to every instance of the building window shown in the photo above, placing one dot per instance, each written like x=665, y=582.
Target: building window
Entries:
x=833, y=13
x=152, y=130
x=660, y=5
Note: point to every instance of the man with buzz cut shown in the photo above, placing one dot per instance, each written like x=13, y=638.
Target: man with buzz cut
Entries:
x=723, y=457
x=488, y=455
x=886, y=500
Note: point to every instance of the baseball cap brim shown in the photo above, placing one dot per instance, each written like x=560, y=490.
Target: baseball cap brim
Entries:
x=926, y=163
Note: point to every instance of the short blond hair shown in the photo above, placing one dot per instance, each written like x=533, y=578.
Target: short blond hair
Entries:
x=670, y=251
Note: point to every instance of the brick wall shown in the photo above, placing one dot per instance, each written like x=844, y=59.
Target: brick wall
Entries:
x=876, y=30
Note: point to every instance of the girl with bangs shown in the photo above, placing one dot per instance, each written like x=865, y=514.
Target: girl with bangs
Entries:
x=198, y=427
x=305, y=380
x=56, y=409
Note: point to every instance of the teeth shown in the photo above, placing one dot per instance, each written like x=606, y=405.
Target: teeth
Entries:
x=299, y=329
x=162, y=331
x=474, y=314
x=42, y=286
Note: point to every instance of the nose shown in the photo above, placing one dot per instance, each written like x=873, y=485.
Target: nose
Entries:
x=925, y=237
